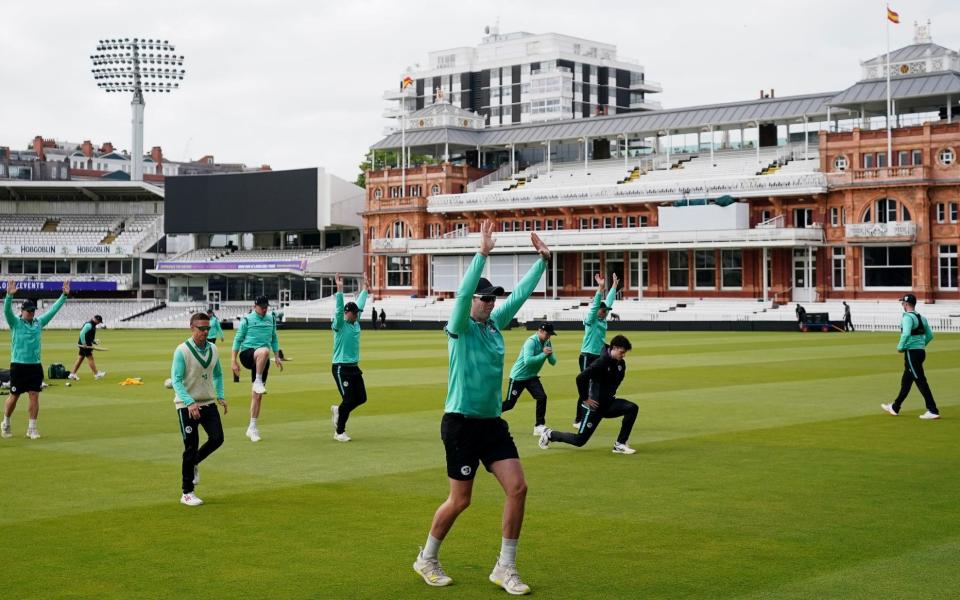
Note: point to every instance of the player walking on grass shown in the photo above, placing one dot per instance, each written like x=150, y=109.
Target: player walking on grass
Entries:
x=915, y=334
x=198, y=382
x=216, y=330
x=86, y=342
x=525, y=374
x=598, y=384
x=346, y=359
x=252, y=344
x=595, y=331
x=472, y=430
x=26, y=370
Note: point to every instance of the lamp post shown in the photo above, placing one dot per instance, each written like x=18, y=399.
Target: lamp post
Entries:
x=137, y=65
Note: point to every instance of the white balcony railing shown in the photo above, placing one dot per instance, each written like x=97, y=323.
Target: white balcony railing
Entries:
x=637, y=192
x=638, y=238
x=390, y=244
x=880, y=231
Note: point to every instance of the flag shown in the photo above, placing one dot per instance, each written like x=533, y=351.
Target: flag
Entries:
x=407, y=82
x=893, y=16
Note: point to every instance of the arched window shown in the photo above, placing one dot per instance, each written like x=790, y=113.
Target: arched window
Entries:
x=435, y=189
x=399, y=229
x=887, y=210
x=378, y=193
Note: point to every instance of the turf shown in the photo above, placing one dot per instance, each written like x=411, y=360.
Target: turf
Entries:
x=765, y=469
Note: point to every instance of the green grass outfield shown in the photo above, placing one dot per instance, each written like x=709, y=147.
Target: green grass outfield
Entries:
x=764, y=469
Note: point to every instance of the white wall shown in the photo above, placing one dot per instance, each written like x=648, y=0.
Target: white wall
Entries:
x=704, y=218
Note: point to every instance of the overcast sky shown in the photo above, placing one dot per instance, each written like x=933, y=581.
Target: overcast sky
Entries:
x=299, y=83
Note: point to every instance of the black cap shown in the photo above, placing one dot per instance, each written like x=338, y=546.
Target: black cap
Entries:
x=909, y=299
x=548, y=327
x=262, y=301
x=603, y=306
x=29, y=304
x=485, y=288
x=351, y=307
x=98, y=318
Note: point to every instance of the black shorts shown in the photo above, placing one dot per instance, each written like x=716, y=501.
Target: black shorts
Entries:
x=247, y=360
x=85, y=352
x=25, y=378
x=470, y=441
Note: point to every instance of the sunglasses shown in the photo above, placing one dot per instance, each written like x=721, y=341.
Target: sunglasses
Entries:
x=485, y=297
x=203, y=327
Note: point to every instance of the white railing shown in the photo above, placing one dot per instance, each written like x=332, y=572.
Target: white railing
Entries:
x=658, y=191
x=389, y=244
x=881, y=230
x=774, y=223
x=627, y=238
x=497, y=175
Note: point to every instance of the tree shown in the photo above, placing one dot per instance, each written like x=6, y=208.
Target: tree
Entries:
x=390, y=159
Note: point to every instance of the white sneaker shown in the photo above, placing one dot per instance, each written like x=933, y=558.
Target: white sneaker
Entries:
x=619, y=448
x=509, y=579
x=253, y=433
x=5, y=430
x=539, y=429
x=576, y=424
x=33, y=434
x=44, y=385
x=431, y=571
x=73, y=376
x=544, y=441
x=259, y=388
x=341, y=437
x=334, y=415
x=196, y=475
x=190, y=499
x=929, y=416
x=100, y=375
x=889, y=409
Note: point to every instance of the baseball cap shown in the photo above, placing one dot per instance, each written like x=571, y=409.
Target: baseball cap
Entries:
x=262, y=301
x=98, y=318
x=909, y=299
x=485, y=288
x=548, y=327
x=603, y=306
x=351, y=307
x=29, y=304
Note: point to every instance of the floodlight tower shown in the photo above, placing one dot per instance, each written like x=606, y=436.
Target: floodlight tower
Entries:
x=138, y=65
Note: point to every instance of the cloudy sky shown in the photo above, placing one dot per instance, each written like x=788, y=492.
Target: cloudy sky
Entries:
x=296, y=83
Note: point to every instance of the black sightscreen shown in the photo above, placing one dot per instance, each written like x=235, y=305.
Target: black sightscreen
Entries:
x=242, y=202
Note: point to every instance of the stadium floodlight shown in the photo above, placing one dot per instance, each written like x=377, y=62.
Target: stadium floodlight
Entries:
x=137, y=65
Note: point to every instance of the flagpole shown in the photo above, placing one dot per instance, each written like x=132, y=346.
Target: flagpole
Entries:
x=403, y=142
x=889, y=131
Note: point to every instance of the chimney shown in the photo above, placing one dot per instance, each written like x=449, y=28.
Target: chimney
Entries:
x=86, y=148
x=156, y=154
x=107, y=148
x=772, y=95
x=206, y=159
x=38, y=147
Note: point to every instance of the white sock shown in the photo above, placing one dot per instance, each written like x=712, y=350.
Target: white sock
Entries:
x=6, y=420
x=31, y=424
x=431, y=548
x=508, y=552
x=253, y=422
x=258, y=378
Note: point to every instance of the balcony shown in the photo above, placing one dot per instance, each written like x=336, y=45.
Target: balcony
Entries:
x=646, y=105
x=880, y=233
x=645, y=86
x=389, y=245
x=882, y=174
x=654, y=191
x=637, y=238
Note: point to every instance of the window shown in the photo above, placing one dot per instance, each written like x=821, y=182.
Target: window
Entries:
x=731, y=267
x=607, y=223
x=46, y=267
x=679, y=269
x=559, y=224
x=917, y=157
x=802, y=217
x=15, y=266
x=903, y=158
x=584, y=223
x=887, y=266
x=766, y=215
x=590, y=268
x=527, y=225
x=595, y=223
x=399, y=271
x=638, y=269
x=435, y=189
x=705, y=267
x=631, y=221
x=868, y=161
x=396, y=191
x=904, y=213
x=373, y=233
x=415, y=190
x=946, y=156
x=63, y=266
x=436, y=229
x=839, y=267
x=505, y=226
x=941, y=212
x=378, y=193
x=886, y=210
x=953, y=212
x=399, y=230
x=618, y=222
x=948, y=267
x=835, y=216
x=881, y=159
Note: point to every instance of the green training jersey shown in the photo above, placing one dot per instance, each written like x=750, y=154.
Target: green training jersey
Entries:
x=594, y=328
x=531, y=358
x=216, y=330
x=476, y=349
x=256, y=332
x=346, y=336
x=24, y=336
x=908, y=323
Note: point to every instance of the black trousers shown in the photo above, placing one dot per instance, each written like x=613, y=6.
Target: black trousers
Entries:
x=848, y=324
x=913, y=372
x=189, y=428
x=353, y=393
x=618, y=407
x=515, y=388
x=585, y=360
